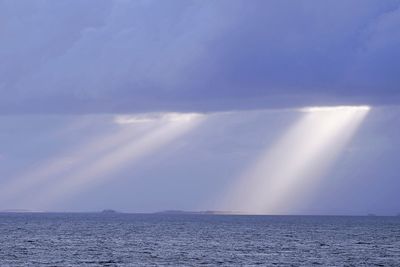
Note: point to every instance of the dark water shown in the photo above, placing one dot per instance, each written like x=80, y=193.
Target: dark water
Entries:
x=192, y=240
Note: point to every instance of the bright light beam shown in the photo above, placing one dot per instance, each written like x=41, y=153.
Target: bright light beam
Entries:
x=99, y=171
x=284, y=177
x=67, y=161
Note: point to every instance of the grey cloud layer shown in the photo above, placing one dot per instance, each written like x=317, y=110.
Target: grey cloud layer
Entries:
x=127, y=56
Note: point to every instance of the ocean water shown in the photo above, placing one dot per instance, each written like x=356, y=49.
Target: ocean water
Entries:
x=96, y=239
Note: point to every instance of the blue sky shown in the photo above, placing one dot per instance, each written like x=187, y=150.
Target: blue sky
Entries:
x=76, y=72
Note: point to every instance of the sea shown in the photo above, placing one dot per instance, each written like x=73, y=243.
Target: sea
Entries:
x=119, y=239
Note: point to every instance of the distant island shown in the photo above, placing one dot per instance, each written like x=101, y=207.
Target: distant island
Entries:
x=175, y=212
x=207, y=212
x=109, y=211
x=18, y=211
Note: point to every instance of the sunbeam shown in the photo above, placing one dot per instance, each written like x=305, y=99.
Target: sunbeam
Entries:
x=67, y=161
x=283, y=178
x=92, y=160
x=172, y=127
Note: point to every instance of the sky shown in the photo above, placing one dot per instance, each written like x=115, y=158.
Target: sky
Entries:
x=143, y=106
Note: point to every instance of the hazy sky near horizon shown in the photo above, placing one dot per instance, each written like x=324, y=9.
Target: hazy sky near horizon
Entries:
x=151, y=105
x=42, y=154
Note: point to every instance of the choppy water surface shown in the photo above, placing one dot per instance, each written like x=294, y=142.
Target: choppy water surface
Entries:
x=135, y=240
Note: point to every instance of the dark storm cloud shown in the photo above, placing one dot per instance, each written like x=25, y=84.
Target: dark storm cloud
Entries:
x=134, y=56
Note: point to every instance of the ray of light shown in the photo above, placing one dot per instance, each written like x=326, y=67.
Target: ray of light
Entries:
x=66, y=161
x=286, y=174
x=173, y=126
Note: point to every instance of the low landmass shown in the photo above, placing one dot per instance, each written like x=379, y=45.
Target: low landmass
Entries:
x=172, y=212
x=206, y=212
x=18, y=211
x=109, y=211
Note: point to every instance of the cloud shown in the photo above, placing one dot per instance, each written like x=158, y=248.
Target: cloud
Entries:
x=146, y=56
x=144, y=118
